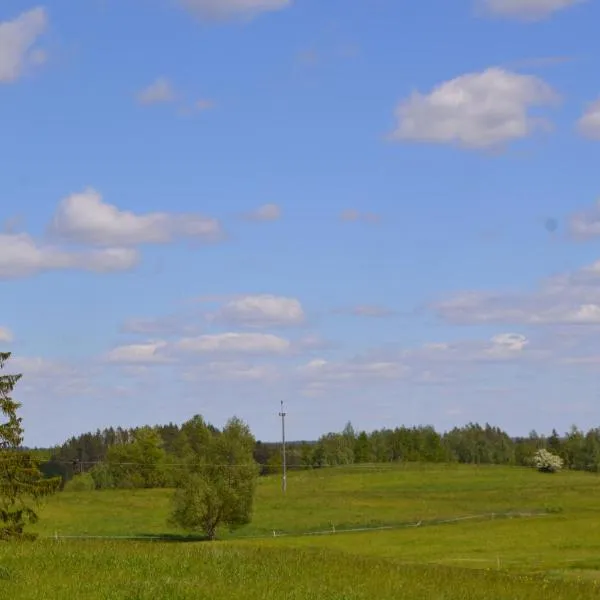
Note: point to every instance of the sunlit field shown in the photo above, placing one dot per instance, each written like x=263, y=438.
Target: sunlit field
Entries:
x=437, y=532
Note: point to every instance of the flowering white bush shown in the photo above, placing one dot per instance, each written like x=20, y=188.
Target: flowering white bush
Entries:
x=546, y=462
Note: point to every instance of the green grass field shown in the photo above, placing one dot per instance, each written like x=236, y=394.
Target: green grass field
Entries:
x=466, y=545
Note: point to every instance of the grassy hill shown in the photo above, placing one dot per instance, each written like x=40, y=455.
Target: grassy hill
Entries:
x=484, y=532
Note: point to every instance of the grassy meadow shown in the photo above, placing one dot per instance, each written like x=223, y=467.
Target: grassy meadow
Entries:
x=470, y=542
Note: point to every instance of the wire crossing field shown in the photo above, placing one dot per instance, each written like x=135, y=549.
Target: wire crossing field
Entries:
x=551, y=553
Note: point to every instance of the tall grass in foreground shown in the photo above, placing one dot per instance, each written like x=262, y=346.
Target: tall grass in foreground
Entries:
x=151, y=570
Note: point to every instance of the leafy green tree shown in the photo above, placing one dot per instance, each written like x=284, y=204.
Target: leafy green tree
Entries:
x=306, y=455
x=220, y=485
x=140, y=463
x=362, y=448
x=274, y=464
x=22, y=484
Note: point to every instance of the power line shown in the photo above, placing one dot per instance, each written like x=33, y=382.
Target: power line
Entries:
x=282, y=414
x=350, y=466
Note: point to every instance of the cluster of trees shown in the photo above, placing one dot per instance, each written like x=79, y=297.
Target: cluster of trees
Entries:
x=215, y=478
x=215, y=471
x=156, y=456
x=471, y=444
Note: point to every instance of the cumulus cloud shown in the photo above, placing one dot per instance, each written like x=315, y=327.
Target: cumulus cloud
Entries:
x=585, y=225
x=266, y=212
x=139, y=354
x=264, y=310
x=501, y=347
x=567, y=299
x=22, y=256
x=17, y=43
x=160, y=91
x=589, y=124
x=85, y=218
x=527, y=9
x=230, y=9
x=322, y=370
x=476, y=110
x=36, y=366
x=232, y=371
x=352, y=215
x=208, y=345
x=6, y=335
x=169, y=325
x=243, y=343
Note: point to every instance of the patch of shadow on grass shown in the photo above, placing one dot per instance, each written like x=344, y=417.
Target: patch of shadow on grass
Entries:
x=172, y=537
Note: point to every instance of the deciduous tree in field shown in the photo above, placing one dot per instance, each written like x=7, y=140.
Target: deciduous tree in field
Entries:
x=139, y=463
x=219, y=487
x=22, y=484
x=546, y=462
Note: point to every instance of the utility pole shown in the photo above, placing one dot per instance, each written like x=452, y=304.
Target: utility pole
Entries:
x=282, y=414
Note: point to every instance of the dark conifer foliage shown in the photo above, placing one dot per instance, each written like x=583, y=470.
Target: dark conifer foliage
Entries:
x=22, y=484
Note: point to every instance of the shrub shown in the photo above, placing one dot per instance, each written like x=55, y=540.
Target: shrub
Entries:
x=102, y=476
x=80, y=483
x=546, y=462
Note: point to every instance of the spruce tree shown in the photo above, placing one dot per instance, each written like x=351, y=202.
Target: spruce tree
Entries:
x=22, y=484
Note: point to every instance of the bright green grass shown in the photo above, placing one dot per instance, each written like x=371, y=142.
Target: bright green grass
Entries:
x=552, y=545
x=164, y=571
x=553, y=555
x=346, y=498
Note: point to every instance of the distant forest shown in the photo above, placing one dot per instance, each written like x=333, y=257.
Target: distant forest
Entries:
x=155, y=456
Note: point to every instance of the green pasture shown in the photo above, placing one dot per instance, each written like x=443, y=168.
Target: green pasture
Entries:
x=455, y=533
x=223, y=571
x=345, y=498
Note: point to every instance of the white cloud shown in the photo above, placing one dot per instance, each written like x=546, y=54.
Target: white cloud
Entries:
x=319, y=375
x=137, y=354
x=507, y=345
x=229, y=9
x=244, y=343
x=352, y=215
x=232, y=371
x=170, y=325
x=500, y=347
x=266, y=212
x=542, y=308
x=84, y=217
x=589, y=124
x=22, y=256
x=264, y=310
x=17, y=40
x=160, y=91
x=6, y=335
x=476, y=110
x=527, y=9
x=324, y=370
x=568, y=299
x=35, y=366
x=585, y=225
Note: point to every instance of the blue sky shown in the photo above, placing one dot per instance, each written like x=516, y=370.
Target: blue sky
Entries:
x=209, y=207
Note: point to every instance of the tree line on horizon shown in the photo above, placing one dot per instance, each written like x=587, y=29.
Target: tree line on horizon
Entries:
x=214, y=472
x=155, y=456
